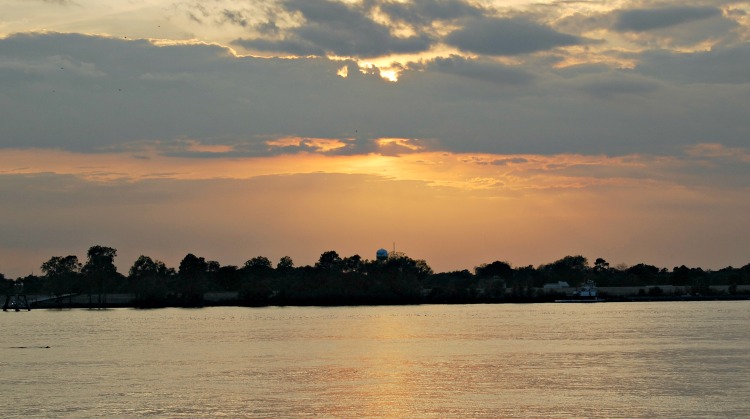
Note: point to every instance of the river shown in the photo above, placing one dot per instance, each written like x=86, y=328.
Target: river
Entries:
x=665, y=359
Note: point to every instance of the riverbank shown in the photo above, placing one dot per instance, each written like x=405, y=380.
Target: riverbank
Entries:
x=608, y=294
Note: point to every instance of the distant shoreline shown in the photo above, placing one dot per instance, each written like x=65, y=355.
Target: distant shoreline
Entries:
x=225, y=300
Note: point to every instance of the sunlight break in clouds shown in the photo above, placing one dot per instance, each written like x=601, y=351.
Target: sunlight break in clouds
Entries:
x=523, y=207
x=315, y=144
x=465, y=172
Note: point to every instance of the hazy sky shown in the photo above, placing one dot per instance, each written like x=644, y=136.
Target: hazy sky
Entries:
x=463, y=131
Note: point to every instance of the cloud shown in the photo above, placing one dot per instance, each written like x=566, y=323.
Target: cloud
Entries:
x=508, y=36
x=339, y=29
x=640, y=20
x=400, y=146
x=291, y=46
x=314, y=145
x=114, y=94
x=614, y=84
x=147, y=92
x=426, y=12
x=509, y=161
x=720, y=65
x=479, y=69
x=235, y=17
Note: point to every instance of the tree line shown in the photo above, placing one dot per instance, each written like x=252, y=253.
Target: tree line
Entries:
x=336, y=280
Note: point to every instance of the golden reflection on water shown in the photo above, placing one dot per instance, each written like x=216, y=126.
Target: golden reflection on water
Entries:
x=550, y=360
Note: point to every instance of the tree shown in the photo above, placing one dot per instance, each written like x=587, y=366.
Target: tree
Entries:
x=5, y=285
x=642, y=274
x=229, y=278
x=352, y=264
x=256, y=279
x=59, y=265
x=329, y=260
x=148, y=279
x=285, y=264
x=62, y=274
x=524, y=281
x=258, y=262
x=570, y=269
x=400, y=276
x=258, y=268
x=100, y=269
x=212, y=267
x=422, y=268
x=681, y=275
x=601, y=265
x=495, y=269
x=193, y=275
x=144, y=267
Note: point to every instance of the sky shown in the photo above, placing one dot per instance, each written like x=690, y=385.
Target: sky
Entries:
x=461, y=132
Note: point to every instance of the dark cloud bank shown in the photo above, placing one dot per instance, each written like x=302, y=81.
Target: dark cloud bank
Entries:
x=91, y=93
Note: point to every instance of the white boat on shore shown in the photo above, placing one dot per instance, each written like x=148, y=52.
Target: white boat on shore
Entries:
x=586, y=294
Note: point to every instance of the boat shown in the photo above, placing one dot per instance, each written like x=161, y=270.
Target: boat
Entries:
x=587, y=293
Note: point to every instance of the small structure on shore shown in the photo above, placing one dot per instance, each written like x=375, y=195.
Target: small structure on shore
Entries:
x=588, y=290
x=16, y=299
x=587, y=293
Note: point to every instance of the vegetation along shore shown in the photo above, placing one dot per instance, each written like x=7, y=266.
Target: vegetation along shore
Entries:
x=390, y=278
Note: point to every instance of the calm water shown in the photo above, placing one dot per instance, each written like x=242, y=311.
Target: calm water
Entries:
x=543, y=360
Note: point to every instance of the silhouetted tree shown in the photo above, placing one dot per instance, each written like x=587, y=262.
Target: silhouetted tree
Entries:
x=495, y=269
x=258, y=268
x=524, y=280
x=329, y=261
x=212, y=271
x=642, y=274
x=572, y=269
x=601, y=265
x=256, y=281
x=350, y=280
x=192, y=280
x=100, y=270
x=255, y=291
x=62, y=274
x=229, y=278
x=451, y=287
x=258, y=263
x=399, y=276
x=6, y=285
x=149, y=279
x=352, y=264
x=681, y=276
x=285, y=264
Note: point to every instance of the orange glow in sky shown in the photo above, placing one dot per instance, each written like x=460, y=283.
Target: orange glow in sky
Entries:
x=430, y=203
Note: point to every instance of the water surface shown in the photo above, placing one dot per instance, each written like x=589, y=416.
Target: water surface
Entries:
x=667, y=359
